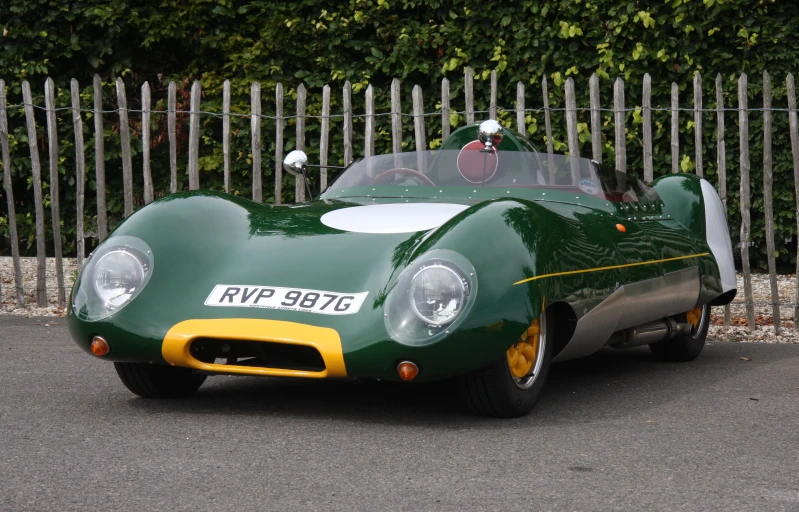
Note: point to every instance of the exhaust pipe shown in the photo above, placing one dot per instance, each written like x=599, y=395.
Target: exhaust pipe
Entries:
x=649, y=333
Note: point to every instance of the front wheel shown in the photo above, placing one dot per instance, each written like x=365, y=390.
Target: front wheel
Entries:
x=512, y=385
x=158, y=381
x=685, y=347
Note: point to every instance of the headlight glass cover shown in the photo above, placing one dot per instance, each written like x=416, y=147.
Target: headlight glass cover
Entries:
x=430, y=298
x=113, y=275
x=438, y=293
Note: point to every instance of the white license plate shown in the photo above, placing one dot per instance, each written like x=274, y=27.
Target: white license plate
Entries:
x=291, y=299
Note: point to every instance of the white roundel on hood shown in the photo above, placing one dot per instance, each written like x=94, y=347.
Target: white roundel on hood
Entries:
x=392, y=218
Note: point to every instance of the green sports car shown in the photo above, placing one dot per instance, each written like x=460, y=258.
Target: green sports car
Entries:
x=483, y=261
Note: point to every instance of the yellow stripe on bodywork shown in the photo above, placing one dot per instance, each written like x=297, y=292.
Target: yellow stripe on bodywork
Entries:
x=610, y=267
x=177, y=342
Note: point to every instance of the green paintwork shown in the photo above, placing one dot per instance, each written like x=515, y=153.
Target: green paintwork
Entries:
x=201, y=239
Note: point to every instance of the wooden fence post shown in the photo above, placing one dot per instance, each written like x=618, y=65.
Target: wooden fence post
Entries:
x=548, y=126
x=675, y=129
x=520, y=124
x=418, y=127
x=324, y=141
x=12, y=215
x=347, y=102
x=794, y=129
x=768, y=200
x=571, y=130
x=80, y=170
x=173, y=141
x=145, y=143
x=124, y=135
x=36, y=172
x=369, y=131
x=468, y=89
x=721, y=163
x=698, y=124
x=255, y=142
x=596, y=121
x=396, y=119
x=194, y=137
x=649, y=173
x=743, y=123
x=99, y=160
x=55, y=178
x=619, y=116
x=445, y=109
x=299, y=181
x=278, y=142
x=226, y=132
x=492, y=108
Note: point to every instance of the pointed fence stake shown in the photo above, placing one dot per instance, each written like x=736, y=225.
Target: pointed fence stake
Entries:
x=619, y=115
x=124, y=136
x=55, y=178
x=721, y=164
x=768, y=200
x=99, y=160
x=445, y=110
x=278, y=142
x=743, y=123
x=194, y=137
x=36, y=174
x=675, y=129
x=468, y=88
x=226, y=133
x=255, y=142
x=698, y=125
x=145, y=143
x=520, y=124
x=80, y=170
x=173, y=141
x=9, y=190
x=324, y=141
x=649, y=174
x=794, y=129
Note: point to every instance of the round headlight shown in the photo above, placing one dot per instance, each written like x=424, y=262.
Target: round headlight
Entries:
x=117, y=276
x=113, y=275
x=438, y=294
x=431, y=298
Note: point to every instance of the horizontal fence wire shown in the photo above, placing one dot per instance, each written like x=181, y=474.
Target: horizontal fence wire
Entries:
x=436, y=113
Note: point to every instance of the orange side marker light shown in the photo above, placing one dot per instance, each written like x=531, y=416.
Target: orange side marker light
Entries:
x=99, y=346
x=621, y=227
x=407, y=370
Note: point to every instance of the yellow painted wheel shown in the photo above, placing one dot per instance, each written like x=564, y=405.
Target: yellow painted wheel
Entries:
x=525, y=356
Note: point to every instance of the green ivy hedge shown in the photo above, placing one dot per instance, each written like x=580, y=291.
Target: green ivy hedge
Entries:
x=420, y=42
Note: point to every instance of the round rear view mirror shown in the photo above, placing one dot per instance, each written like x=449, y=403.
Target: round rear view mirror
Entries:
x=490, y=133
x=294, y=163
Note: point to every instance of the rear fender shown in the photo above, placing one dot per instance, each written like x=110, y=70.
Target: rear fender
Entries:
x=694, y=203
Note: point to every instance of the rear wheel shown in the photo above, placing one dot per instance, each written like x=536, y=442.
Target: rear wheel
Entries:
x=512, y=385
x=685, y=347
x=158, y=381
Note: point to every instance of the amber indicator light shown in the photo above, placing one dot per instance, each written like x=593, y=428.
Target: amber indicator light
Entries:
x=99, y=346
x=407, y=371
x=621, y=228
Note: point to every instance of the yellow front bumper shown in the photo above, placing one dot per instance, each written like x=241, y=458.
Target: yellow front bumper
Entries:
x=177, y=342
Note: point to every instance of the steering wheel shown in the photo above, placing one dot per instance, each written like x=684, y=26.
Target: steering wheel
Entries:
x=382, y=177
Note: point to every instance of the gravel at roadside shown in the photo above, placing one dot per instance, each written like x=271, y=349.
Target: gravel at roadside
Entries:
x=736, y=332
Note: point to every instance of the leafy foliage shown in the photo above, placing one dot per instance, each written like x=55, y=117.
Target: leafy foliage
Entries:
x=319, y=42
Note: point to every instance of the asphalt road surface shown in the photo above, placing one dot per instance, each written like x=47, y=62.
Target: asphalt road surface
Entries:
x=616, y=431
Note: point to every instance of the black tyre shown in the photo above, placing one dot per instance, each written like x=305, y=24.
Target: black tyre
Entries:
x=504, y=389
x=158, y=381
x=685, y=347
